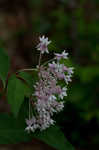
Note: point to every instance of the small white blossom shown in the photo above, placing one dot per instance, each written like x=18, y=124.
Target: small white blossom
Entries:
x=60, y=106
x=52, y=97
x=63, y=93
x=42, y=46
x=57, y=67
x=63, y=55
x=29, y=125
x=70, y=70
x=29, y=128
x=44, y=40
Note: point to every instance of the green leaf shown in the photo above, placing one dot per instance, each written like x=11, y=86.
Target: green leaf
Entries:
x=17, y=90
x=28, y=77
x=12, y=131
x=4, y=65
x=54, y=137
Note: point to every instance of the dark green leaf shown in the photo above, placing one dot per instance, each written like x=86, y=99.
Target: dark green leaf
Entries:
x=30, y=78
x=17, y=89
x=12, y=131
x=54, y=137
x=4, y=65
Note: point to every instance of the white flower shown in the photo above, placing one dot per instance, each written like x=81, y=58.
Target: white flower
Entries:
x=29, y=128
x=70, y=70
x=29, y=125
x=60, y=106
x=42, y=46
x=63, y=55
x=68, y=78
x=52, y=97
x=44, y=40
x=57, y=67
x=63, y=93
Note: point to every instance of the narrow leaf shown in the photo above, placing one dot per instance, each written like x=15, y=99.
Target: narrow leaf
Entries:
x=4, y=65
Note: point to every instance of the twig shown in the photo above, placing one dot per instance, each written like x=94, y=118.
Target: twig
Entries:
x=22, y=70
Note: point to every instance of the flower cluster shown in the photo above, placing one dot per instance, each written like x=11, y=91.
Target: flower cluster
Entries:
x=49, y=93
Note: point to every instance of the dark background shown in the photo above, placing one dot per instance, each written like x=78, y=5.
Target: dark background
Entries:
x=72, y=25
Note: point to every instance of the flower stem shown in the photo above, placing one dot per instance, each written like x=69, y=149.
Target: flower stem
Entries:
x=22, y=70
x=40, y=59
x=48, y=61
x=29, y=110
